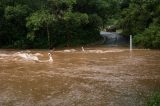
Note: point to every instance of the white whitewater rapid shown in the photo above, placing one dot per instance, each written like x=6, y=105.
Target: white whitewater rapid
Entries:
x=33, y=57
x=38, y=57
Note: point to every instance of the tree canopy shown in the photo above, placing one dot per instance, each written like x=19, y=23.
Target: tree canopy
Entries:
x=59, y=23
x=141, y=19
x=51, y=23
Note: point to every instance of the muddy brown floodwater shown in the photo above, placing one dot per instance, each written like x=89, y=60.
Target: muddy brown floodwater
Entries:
x=94, y=77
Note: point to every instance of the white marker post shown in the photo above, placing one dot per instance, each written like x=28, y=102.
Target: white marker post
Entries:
x=131, y=43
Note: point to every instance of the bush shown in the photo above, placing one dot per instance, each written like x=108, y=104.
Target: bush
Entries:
x=150, y=38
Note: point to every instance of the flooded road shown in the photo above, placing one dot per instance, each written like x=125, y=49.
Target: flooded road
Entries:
x=93, y=77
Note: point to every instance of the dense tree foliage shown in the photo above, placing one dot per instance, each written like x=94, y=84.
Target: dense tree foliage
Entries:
x=52, y=23
x=141, y=18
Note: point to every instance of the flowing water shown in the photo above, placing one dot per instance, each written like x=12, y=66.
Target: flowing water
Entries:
x=96, y=76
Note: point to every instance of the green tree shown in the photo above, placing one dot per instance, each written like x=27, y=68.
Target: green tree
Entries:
x=150, y=38
x=39, y=19
x=65, y=19
x=15, y=23
x=73, y=21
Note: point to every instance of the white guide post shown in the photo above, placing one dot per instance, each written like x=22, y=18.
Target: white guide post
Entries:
x=131, y=46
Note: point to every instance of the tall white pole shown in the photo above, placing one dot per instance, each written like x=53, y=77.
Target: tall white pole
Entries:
x=131, y=43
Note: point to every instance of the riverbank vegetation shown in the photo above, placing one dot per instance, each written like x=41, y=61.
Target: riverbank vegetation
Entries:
x=64, y=23
x=52, y=23
x=141, y=19
x=154, y=99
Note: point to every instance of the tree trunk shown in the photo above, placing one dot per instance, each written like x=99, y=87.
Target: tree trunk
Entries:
x=49, y=41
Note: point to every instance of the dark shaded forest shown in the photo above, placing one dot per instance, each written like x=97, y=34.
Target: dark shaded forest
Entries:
x=65, y=23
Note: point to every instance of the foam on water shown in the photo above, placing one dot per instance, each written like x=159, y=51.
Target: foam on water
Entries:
x=86, y=50
x=69, y=50
x=38, y=54
x=27, y=56
x=4, y=55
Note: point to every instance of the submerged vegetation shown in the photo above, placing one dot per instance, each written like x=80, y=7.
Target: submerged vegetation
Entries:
x=59, y=23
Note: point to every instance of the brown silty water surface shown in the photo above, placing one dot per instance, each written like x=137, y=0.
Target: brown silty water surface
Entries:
x=96, y=77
